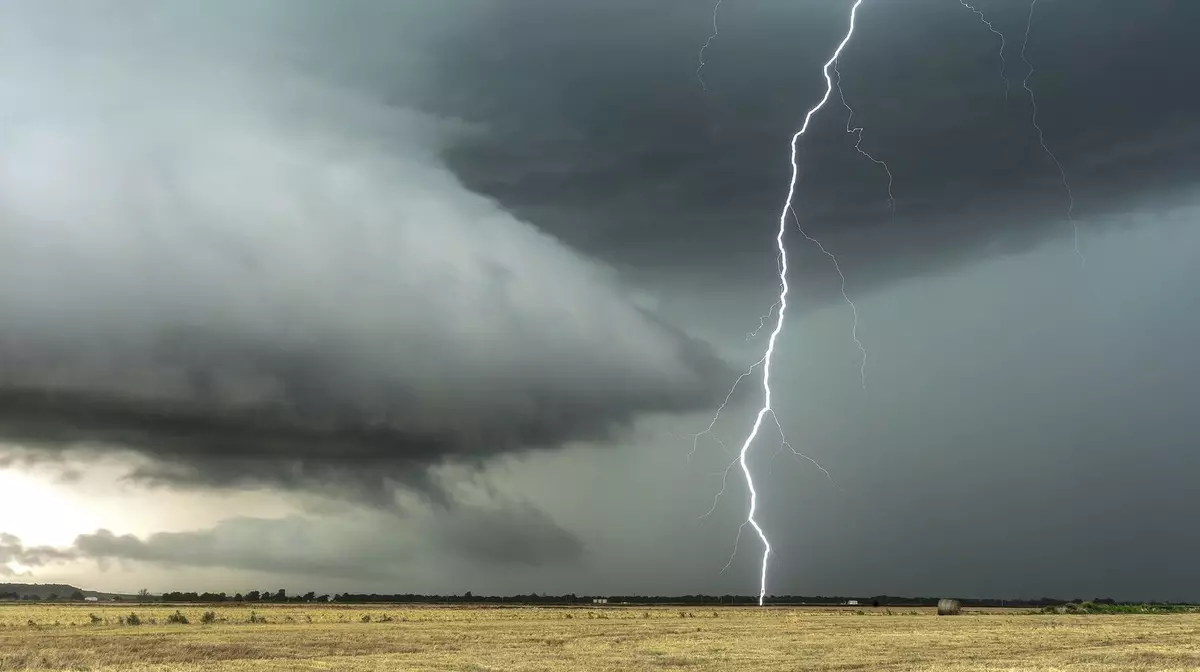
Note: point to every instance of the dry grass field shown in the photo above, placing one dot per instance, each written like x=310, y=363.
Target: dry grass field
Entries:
x=338, y=637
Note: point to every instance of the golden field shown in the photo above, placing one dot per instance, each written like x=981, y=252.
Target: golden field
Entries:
x=628, y=639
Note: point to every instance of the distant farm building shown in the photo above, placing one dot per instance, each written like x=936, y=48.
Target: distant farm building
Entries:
x=91, y=598
x=852, y=603
x=599, y=600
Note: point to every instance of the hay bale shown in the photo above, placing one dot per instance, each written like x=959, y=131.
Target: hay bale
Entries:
x=949, y=607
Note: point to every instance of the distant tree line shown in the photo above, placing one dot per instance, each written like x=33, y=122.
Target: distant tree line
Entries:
x=281, y=596
x=252, y=596
x=76, y=596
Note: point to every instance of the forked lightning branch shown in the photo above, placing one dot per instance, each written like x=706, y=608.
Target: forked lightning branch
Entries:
x=788, y=209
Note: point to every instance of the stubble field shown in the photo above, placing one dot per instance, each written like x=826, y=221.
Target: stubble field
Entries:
x=477, y=639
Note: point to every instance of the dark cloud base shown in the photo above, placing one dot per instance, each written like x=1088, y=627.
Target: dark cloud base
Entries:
x=683, y=181
x=322, y=442
x=377, y=546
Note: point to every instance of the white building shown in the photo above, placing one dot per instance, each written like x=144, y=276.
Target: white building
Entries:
x=853, y=603
x=91, y=599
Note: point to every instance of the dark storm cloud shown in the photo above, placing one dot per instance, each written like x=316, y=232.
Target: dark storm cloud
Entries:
x=244, y=254
x=365, y=545
x=513, y=535
x=254, y=272
x=1030, y=429
x=323, y=424
x=601, y=133
x=230, y=241
x=255, y=544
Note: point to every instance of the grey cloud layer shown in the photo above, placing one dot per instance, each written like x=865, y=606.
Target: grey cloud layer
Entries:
x=363, y=545
x=1028, y=429
x=13, y=552
x=696, y=178
x=1028, y=426
x=257, y=275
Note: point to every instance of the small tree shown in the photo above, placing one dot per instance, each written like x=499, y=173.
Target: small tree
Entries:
x=144, y=593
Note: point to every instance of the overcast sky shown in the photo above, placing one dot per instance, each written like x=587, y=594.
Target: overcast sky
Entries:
x=433, y=297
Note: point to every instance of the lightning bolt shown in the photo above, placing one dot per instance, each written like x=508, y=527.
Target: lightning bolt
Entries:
x=708, y=431
x=762, y=322
x=725, y=475
x=708, y=43
x=862, y=369
x=783, y=444
x=782, y=303
x=1042, y=137
x=857, y=132
x=1003, y=62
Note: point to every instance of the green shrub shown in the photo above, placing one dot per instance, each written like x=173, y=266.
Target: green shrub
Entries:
x=177, y=617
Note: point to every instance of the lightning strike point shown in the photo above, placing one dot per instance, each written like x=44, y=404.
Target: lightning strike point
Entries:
x=1062, y=172
x=782, y=302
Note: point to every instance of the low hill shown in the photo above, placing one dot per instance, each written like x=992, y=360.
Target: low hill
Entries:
x=45, y=591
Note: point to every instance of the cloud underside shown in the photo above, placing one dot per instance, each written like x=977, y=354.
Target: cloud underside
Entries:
x=322, y=443
x=252, y=275
x=362, y=545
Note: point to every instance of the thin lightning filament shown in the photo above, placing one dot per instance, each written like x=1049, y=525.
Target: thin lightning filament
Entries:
x=783, y=292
